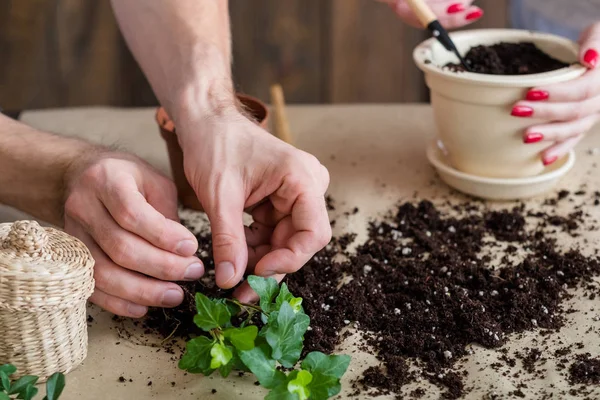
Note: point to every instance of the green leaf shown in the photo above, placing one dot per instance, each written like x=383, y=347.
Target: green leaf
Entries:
x=225, y=370
x=260, y=364
x=21, y=384
x=285, y=334
x=54, y=386
x=4, y=396
x=333, y=365
x=29, y=393
x=242, y=338
x=220, y=355
x=4, y=381
x=266, y=289
x=233, y=308
x=197, y=356
x=9, y=369
x=299, y=385
x=285, y=295
x=211, y=314
x=281, y=392
x=323, y=387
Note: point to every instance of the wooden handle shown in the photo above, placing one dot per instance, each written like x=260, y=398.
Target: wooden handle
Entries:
x=281, y=126
x=422, y=11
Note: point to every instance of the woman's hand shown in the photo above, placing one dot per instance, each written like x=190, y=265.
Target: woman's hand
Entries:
x=573, y=106
x=126, y=214
x=451, y=13
x=234, y=165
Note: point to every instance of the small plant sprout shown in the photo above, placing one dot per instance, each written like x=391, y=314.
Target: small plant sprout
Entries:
x=271, y=353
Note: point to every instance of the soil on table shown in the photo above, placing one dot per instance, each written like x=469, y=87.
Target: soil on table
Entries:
x=508, y=59
x=423, y=287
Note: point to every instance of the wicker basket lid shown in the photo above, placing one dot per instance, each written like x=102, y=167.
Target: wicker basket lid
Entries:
x=42, y=267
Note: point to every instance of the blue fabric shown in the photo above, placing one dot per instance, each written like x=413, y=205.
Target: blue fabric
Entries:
x=525, y=14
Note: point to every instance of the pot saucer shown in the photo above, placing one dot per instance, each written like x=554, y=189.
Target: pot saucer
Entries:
x=497, y=188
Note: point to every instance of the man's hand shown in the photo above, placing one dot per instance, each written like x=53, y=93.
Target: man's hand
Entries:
x=126, y=213
x=451, y=13
x=234, y=165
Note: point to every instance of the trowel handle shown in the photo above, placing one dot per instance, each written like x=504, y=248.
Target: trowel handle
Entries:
x=422, y=11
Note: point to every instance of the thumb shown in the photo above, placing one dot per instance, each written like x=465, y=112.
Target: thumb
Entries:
x=590, y=46
x=229, y=242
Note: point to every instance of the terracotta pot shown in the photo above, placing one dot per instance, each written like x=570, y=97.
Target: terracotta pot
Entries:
x=472, y=111
x=253, y=107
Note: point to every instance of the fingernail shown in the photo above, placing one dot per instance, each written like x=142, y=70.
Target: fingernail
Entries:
x=456, y=8
x=521, y=111
x=225, y=271
x=135, y=310
x=549, y=160
x=591, y=57
x=533, y=138
x=537, y=95
x=186, y=248
x=193, y=272
x=172, y=298
x=474, y=15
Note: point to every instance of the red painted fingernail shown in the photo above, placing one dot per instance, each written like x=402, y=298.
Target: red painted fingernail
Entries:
x=549, y=160
x=474, y=15
x=456, y=8
x=537, y=95
x=591, y=57
x=533, y=138
x=521, y=111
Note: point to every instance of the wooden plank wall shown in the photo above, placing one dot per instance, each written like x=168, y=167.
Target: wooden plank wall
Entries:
x=59, y=53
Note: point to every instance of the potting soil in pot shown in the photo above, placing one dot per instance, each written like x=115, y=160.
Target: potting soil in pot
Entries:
x=508, y=59
x=430, y=281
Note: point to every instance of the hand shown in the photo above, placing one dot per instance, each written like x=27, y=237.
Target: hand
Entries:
x=234, y=165
x=126, y=214
x=451, y=13
x=573, y=106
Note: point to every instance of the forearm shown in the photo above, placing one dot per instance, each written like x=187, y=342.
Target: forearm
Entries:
x=33, y=166
x=184, y=49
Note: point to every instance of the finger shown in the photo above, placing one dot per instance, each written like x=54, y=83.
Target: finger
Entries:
x=245, y=294
x=590, y=45
x=132, y=212
x=586, y=87
x=451, y=14
x=559, y=131
x=127, y=285
x=312, y=233
x=257, y=234
x=230, y=251
x=131, y=251
x=557, y=111
x=117, y=305
x=267, y=215
x=556, y=152
x=459, y=19
x=161, y=193
x=255, y=254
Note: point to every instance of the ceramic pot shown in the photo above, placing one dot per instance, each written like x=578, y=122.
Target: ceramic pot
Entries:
x=254, y=108
x=472, y=111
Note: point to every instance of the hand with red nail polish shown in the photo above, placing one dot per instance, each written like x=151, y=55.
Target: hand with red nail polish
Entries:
x=452, y=14
x=573, y=106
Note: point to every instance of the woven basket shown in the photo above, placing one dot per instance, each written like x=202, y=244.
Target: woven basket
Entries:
x=46, y=277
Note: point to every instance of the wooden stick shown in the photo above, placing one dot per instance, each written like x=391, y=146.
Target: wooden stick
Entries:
x=422, y=11
x=281, y=126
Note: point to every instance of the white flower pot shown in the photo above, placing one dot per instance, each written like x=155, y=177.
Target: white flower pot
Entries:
x=472, y=111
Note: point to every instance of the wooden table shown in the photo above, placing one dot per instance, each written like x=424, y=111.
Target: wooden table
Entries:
x=376, y=157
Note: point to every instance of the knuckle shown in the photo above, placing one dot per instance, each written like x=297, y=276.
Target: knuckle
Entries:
x=324, y=236
x=223, y=240
x=127, y=216
x=103, y=278
x=73, y=206
x=120, y=252
x=170, y=270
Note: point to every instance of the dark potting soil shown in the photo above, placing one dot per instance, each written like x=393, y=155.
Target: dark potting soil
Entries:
x=585, y=370
x=508, y=59
x=422, y=289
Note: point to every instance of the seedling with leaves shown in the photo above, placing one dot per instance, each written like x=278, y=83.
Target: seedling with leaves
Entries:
x=24, y=387
x=263, y=352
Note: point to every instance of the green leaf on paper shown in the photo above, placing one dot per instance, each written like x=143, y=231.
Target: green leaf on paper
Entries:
x=299, y=385
x=211, y=314
x=266, y=289
x=264, y=367
x=333, y=365
x=242, y=338
x=220, y=355
x=285, y=334
x=197, y=356
x=323, y=387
